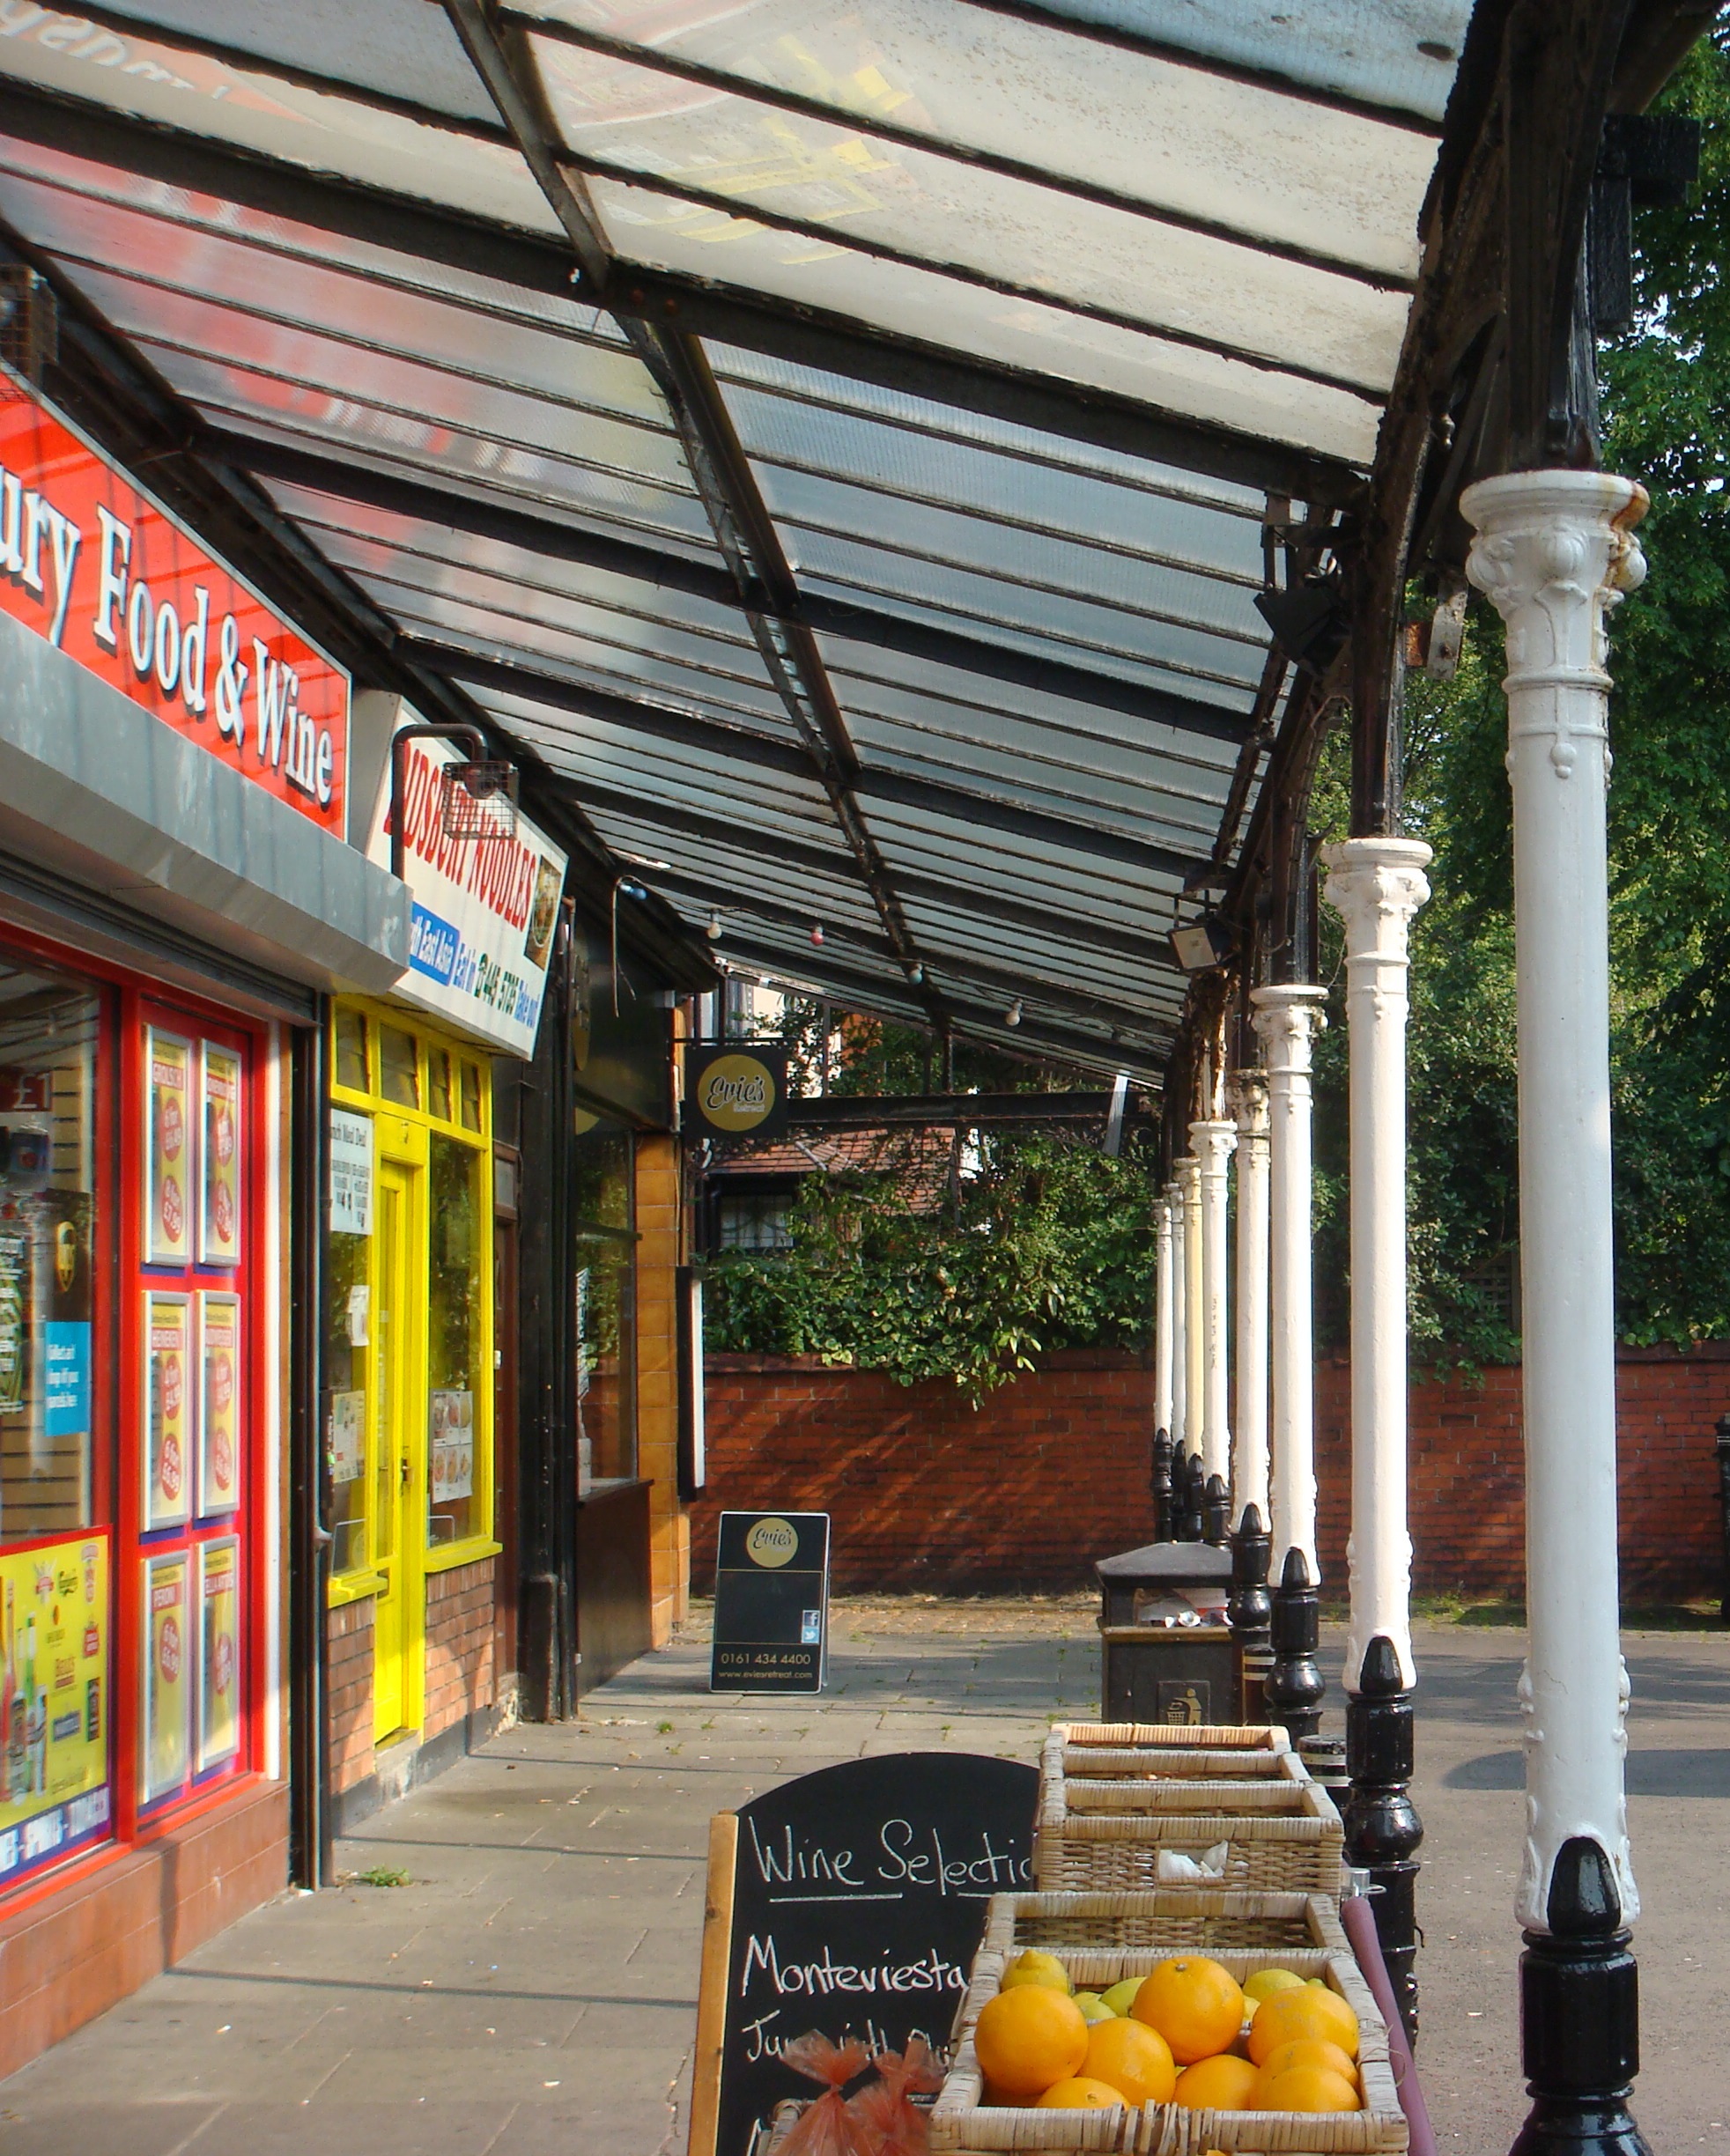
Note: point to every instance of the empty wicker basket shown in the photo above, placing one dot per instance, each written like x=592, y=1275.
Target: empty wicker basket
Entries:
x=1154, y=1736
x=1282, y=1835
x=1103, y=1938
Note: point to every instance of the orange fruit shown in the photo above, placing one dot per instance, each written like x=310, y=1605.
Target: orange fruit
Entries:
x=1028, y=2038
x=1132, y=2057
x=1195, y=2004
x=1218, y=2084
x=1311, y=2012
x=1307, y=2088
x=1308, y=2051
x=1079, y=2092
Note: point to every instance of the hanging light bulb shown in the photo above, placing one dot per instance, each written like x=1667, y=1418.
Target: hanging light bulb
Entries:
x=1012, y=1016
x=714, y=929
x=816, y=932
x=916, y=974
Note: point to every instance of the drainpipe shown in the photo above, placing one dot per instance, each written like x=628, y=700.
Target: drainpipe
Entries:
x=1376, y=885
x=1555, y=553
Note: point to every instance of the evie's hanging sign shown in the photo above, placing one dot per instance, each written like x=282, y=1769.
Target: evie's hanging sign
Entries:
x=90, y=563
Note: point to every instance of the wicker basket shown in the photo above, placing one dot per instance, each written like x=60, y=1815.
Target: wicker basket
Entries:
x=1202, y=1737
x=1282, y=1836
x=1106, y=1938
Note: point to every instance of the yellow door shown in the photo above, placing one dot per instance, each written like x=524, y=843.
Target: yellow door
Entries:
x=399, y=1470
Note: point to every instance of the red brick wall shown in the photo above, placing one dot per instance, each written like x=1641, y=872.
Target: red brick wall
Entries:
x=349, y=1700
x=1051, y=1472
x=459, y=1643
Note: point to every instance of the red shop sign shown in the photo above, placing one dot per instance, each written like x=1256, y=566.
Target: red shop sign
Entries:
x=90, y=563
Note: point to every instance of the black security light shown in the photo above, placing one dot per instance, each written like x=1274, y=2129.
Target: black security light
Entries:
x=1309, y=619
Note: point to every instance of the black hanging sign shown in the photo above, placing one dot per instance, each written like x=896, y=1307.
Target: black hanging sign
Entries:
x=851, y=1901
x=735, y=1090
x=771, y=1602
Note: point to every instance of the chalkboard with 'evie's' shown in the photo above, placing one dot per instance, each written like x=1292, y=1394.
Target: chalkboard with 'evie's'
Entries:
x=851, y=1901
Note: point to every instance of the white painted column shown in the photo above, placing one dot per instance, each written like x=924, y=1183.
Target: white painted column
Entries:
x=1214, y=1142
x=1287, y=1019
x=1376, y=885
x=1555, y=553
x=1194, y=1306
x=1248, y=1096
x=1180, y=1321
x=1163, y=1315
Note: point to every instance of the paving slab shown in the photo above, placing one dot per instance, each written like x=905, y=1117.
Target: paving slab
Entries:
x=533, y=1988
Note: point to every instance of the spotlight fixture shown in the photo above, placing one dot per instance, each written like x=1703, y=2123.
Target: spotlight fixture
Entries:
x=916, y=974
x=1012, y=1016
x=816, y=932
x=1309, y=619
x=1203, y=943
x=714, y=929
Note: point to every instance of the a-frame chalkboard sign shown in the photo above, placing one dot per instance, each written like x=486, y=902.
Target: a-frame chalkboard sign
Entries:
x=850, y=1900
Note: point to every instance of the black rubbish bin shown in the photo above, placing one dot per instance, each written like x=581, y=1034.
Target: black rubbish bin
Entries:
x=1170, y=1655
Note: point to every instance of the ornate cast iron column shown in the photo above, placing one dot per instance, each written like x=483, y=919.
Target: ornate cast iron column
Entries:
x=1248, y=1096
x=1214, y=1142
x=1376, y=885
x=1179, y=1323
x=1162, y=1314
x=1555, y=553
x=1194, y=1309
x=1288, y=1017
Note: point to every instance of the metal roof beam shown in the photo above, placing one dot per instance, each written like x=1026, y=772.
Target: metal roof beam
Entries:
x=425, y=503
x=871, y=1112
x=831, y=343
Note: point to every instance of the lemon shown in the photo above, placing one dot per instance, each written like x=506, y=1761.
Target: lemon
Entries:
x=1036, y=1968
x=1121, y=1996
x=1266, y=1982
x=1093, y=2007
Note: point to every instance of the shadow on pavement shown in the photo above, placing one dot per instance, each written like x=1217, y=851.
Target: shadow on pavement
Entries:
x=1650, y=1774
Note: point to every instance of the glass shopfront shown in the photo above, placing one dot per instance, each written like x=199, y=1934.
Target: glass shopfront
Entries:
x=128, y=1408
x=408, y=1331
x=603, y=1215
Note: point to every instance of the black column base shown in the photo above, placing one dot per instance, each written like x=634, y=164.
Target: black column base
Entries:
x=1383, y=1830
x=1579, y=2014
x=1251, y=1608
x=1295, y=1689
x=1161, y=1484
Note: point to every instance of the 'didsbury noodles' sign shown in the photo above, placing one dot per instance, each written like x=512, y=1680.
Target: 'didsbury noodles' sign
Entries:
x=98, y=570
x=485, y=911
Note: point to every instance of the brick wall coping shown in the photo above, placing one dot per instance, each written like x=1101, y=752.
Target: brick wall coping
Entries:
x=1060, y=1358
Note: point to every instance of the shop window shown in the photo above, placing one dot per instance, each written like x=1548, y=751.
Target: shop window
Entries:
x=754, y=1221
x=193, y=1421
x=455, y=1336
x=438, y=1085
x=351, y=1070
x=603, y=1201
x=55, y=1559
x=399, y=1067
x=347, y=1337
x=472, y=1097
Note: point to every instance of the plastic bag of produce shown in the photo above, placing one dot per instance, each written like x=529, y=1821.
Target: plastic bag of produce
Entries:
x=829, y=2127
x=890, y=2123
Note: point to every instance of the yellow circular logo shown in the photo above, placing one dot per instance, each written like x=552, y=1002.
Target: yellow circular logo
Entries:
x=735, y=1093
x=772, y=1543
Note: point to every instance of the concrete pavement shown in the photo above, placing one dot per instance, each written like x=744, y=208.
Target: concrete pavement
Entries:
x=532, y=1988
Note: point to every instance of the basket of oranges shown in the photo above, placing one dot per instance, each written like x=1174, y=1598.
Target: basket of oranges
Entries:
x=1098, y=1833
x=1103, y=2023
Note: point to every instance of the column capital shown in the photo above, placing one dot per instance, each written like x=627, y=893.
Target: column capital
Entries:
x=1214, y=1142
x=1288, y=1017
x=1246, y=1093
x=1376, y=885
x=1555, y=552
x=1189, y=1173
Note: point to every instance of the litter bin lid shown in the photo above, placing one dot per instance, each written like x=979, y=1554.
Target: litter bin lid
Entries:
x=1168, y=1564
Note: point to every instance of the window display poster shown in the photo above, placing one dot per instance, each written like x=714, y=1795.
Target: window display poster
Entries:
x=351, y=1173
x=219, y=1230
x=348, y=1442
x=14, y=1320
x=168, y=1224
x=219, y=1652
x=167, y=1750
x=452, y=1445
x=54, y=1722
x=168, y=1448
x=219, y=1428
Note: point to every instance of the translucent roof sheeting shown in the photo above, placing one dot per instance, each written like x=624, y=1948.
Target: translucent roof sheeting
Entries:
x=1026, y=326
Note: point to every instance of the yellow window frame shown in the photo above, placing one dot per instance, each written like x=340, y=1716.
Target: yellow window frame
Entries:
x=403, y=1133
